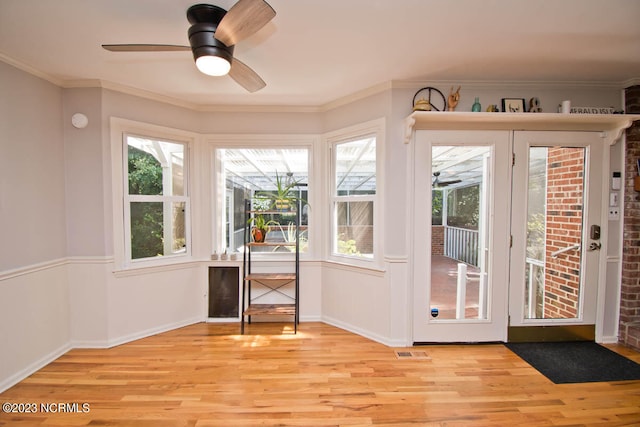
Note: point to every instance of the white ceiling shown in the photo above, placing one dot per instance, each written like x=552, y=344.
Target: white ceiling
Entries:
x=315, y=52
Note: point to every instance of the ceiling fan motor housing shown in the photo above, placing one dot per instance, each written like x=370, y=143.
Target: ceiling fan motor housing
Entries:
x=203, y=42
x=201, y=13
x=205, y=19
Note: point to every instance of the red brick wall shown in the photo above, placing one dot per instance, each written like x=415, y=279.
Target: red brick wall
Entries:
x=565, y=170
x=630, y=285
x=437, y=240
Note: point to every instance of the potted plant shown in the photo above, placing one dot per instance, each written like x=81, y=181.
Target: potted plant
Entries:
x=284, y=198
x=260, y=227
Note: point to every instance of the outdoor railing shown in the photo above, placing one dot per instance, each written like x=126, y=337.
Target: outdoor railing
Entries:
x=461, y=244
x=535, y=281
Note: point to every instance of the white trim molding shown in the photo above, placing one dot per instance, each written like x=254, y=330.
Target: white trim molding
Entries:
x=613, y=125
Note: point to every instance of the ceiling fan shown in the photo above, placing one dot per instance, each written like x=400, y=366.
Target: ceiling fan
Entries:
x=438, y=184
x=213, y=35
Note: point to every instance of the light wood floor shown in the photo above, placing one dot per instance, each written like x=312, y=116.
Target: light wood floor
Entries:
x=209, y=375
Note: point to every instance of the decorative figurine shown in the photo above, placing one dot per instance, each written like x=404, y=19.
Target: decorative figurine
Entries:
x=476, y=107
x=454, y=98
x=422, y=105
x=433, y=101
x=534, y=106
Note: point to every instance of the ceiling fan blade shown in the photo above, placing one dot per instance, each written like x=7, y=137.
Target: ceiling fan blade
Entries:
x=144, y=47
x=245, y=76
x=447, y=183
x=243, y=19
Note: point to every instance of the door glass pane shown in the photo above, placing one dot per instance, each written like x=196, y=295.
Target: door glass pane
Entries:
x=555, y=195
x=459, y=230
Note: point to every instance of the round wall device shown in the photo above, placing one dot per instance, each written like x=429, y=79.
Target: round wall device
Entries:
x=79, y=120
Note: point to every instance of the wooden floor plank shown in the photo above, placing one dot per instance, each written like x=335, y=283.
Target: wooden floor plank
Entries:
x=210, y=375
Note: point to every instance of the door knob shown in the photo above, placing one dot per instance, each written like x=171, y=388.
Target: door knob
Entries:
x=595, y=246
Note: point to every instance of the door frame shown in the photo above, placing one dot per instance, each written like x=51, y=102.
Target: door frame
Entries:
x=593, y=269
x=494, y=328
x=611, y=127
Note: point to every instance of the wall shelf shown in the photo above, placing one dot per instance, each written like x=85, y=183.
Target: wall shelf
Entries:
x=612, y=125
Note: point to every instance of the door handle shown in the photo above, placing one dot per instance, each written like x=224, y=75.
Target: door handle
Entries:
x=567, y=249
x=595, y=246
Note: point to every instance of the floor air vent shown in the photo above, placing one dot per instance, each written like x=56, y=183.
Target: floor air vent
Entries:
x=404, y=354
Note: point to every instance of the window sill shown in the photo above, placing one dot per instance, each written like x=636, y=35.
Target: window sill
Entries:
x=371, y=268
x=140, y=269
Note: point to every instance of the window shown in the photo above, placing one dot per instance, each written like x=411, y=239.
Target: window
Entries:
x=354, y=196
x=252, y=174
x=156, y=202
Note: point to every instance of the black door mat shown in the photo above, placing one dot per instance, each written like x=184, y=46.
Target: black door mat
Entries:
x=576, y=361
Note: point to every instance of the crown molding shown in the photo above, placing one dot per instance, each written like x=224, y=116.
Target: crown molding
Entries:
x=30, y=70
x=631, y=82
x=412, y=84
x=128, y=90
x=259, y=109
x=356, y=96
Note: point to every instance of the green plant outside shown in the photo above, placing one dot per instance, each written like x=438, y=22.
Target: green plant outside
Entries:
x=145, y=177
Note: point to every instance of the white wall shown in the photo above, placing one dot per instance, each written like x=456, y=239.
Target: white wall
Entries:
x=356, y=299
x=34, y=304
x=34, y=319
x=32, y=191
x=83, y=155
x=88, y=309
x=550, y=95
x=142, y=303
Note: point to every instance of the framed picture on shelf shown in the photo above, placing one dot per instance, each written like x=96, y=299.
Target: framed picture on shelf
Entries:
x=513, y=105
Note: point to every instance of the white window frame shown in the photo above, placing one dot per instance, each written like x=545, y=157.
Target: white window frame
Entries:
x=120, y=130
x=374, y=128
x=256, y=141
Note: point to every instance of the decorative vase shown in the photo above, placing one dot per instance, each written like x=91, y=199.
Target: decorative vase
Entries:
x=476, y=107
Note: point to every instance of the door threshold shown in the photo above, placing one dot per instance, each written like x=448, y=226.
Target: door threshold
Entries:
x=551, y=333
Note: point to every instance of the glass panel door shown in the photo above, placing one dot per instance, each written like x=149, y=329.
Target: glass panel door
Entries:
x=556, y=199
x=460, y=241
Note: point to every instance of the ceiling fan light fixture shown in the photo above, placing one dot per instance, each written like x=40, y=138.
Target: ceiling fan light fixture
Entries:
x=213, y=65
x=213, y=54
x=212, y=57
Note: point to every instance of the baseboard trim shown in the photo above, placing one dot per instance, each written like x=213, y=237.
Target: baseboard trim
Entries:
x=609, y=339
x=153, y=331
x=359, y=331
x=33, y=367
